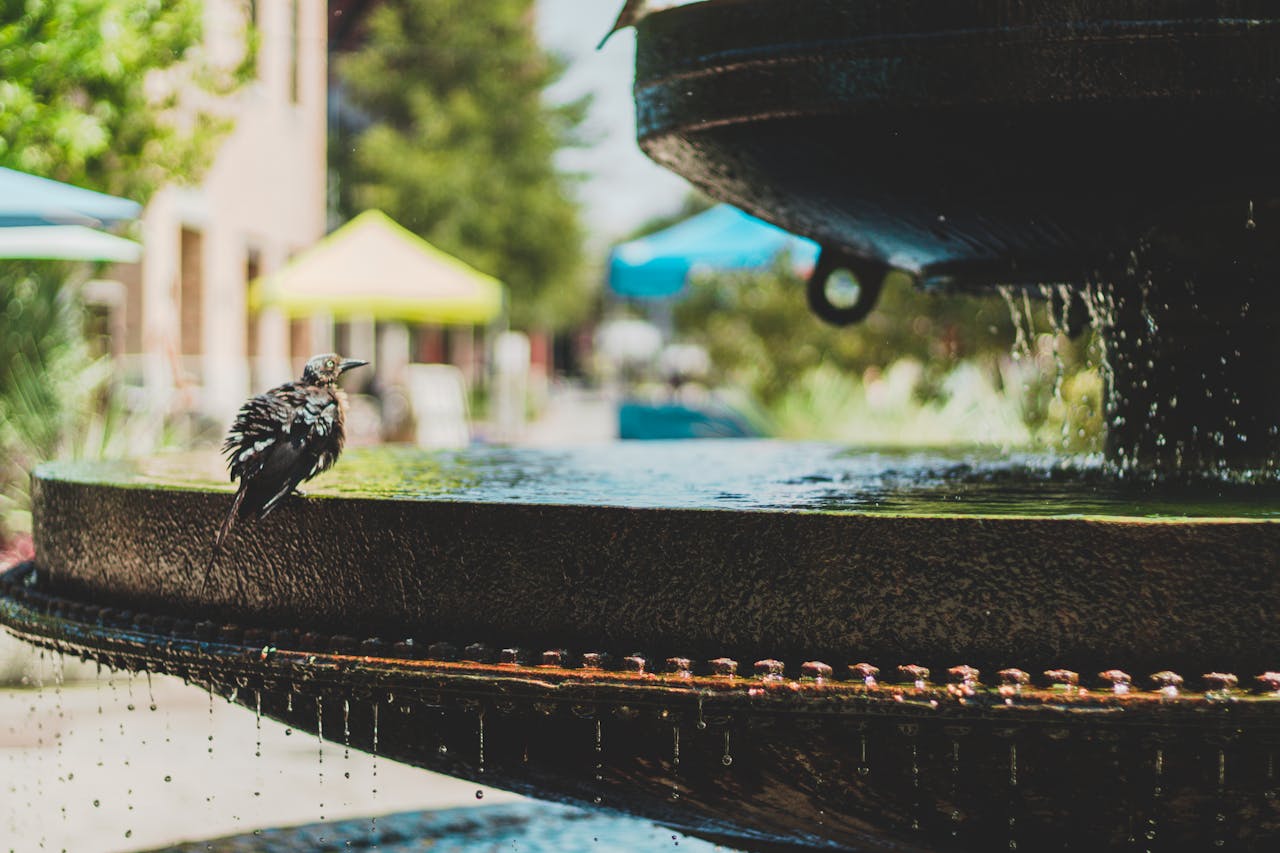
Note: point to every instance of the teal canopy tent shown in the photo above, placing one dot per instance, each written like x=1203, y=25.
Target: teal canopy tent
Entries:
x=28, y=200
x=657, y=265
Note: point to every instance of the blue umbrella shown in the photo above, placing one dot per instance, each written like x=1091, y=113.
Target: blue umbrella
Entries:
x=722, y=238
x=28, y=200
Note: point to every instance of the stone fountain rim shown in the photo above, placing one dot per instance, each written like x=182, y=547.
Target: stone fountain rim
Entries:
x=77, y=473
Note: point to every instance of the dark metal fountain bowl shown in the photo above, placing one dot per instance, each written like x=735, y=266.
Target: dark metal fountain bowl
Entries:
x=972, y=142
x=704, y=651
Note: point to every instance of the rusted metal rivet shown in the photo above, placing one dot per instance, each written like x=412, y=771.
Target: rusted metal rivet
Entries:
x=478, y=652
x=815, y=669
x=441, y=650
x=1270, y=681
x=310, y=641
x=634, y=663
x=1062, y=677
x=343, y=644
x=723, y=666
x=514, y=654
x=554, y=657
x=595, y=660
x=915, y=673
x=1220, y=682
x=409, y=649
x=866, y=672
x=769, y=669
x=253, y=637
x=682, y=667
x=1118, y=679
x=1168, y=682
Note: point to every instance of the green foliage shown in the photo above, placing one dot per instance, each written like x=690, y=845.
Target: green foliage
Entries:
x=460, y=146
x=922, y=368
x=49, y=384
x=113, y=95
x=759, y=331
x=99, y=93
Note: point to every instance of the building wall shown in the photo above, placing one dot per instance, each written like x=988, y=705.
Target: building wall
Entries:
x=262, y=201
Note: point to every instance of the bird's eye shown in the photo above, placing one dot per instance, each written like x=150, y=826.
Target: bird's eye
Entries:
x=329, y=364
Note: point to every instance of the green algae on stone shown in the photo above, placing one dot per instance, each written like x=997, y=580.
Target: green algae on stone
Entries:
x=730, y=475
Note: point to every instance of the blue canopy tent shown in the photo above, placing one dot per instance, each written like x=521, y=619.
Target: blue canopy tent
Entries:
x=27, y=200
x=657, y=265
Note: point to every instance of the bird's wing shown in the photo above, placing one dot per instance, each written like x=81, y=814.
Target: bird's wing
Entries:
x=316, y=427
x=260, y=430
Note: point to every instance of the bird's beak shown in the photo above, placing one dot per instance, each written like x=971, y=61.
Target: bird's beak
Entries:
x=348, y=363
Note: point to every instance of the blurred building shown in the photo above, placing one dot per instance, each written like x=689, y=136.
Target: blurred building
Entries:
x=189, y=338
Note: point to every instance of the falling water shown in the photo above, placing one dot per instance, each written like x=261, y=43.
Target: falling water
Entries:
x=599, y=758
x=1013, y=795
x=346, y=731
x=915, y=784
x=1157, y=792
x=373, y=821
x=955, y=787
x=320, y=754
x=1219, y=817
x=864, y=767
x=675, y=761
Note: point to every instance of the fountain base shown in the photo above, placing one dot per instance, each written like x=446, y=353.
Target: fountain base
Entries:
x=694, y=654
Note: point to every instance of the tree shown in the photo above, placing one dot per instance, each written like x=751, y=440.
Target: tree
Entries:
x=459, y=146
x=113, y=95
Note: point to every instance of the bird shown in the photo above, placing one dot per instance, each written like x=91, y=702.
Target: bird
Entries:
x=631, y=12
x=284, y=437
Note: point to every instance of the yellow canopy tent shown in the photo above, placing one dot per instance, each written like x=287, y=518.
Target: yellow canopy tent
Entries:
x=374, y=267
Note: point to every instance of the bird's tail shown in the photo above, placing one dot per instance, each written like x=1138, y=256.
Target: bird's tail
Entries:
x=224, y=531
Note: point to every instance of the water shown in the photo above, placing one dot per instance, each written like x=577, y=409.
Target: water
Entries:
x=744, y=475
x=522, y=827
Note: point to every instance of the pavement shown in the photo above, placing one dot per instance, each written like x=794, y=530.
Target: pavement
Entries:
x=119, y=763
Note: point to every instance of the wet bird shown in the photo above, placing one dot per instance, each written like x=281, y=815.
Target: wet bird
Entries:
x=284, y=437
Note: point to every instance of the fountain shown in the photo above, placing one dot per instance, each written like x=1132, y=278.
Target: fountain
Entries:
x=795, y=646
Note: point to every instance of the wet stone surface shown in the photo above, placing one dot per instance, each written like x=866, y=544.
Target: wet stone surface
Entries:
x=703, y=550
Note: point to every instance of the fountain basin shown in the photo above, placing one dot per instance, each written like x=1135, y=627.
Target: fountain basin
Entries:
x=971, y=143
x=689, y=652
x=698, y=550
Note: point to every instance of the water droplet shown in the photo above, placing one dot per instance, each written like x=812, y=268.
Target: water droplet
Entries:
x=479, y=794
x=168, y=778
